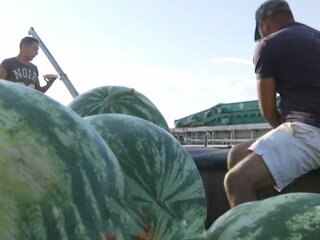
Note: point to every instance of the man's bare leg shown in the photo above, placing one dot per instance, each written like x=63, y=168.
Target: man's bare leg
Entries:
x=244, y=179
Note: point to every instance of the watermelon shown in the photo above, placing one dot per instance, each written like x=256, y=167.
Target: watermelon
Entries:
x=58, y=177
x=165, y=186
x=288, y=216
x=117, y=99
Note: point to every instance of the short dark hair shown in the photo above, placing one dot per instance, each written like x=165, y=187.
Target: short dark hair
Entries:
x=27, y=41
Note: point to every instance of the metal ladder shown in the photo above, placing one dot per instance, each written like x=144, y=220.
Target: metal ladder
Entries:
x=54, y=63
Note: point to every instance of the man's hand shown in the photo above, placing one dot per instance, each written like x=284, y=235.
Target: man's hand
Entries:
x=50, y=78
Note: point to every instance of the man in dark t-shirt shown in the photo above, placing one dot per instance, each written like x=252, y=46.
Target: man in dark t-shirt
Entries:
x=287, y=62
x=20, y=69
x=292, y=57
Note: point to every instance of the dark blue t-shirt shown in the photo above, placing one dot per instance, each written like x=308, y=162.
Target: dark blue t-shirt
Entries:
x=18, y=72
x=292, y=56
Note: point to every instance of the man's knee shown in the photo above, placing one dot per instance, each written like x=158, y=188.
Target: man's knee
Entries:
x=233, y=181
x=233, y=157
x=237, y=153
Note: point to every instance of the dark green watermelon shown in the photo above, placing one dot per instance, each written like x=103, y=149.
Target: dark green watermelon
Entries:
x=165, y=186
x=58, y=177
x=117, y=99
x=284, y=217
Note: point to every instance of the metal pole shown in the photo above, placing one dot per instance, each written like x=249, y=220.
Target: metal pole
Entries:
x=54, y=63
x=206, y=139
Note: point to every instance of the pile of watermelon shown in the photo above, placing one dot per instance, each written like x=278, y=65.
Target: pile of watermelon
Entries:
x=106, y=167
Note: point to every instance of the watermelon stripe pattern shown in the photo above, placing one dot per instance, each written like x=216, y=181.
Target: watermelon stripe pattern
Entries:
x=284, y=217
x=59, y=179
x=117, y=99
x=161, y=176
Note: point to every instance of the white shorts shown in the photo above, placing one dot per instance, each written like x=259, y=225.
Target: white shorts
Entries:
x=289, y=151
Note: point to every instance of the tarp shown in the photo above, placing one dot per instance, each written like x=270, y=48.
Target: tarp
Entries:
x=209, y=157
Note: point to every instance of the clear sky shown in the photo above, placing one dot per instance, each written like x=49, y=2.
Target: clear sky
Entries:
x=184, y=55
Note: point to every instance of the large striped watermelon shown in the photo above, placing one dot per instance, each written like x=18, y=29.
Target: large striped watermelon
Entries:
x=284, y=217
x=117, y=99
x=165, y=185
x=58, y=177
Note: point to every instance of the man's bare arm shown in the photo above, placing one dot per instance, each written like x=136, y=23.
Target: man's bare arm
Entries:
x=3, y=73
x=266, y=89
x=49, y=78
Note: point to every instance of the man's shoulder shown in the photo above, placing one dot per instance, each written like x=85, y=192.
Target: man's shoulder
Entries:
x=9, y=61
x=304, y=26
x=15, y=62
x=33, y=66
x=300, y=29
x=293, y=31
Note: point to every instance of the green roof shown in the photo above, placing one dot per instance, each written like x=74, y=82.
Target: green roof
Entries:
x=224, y=114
